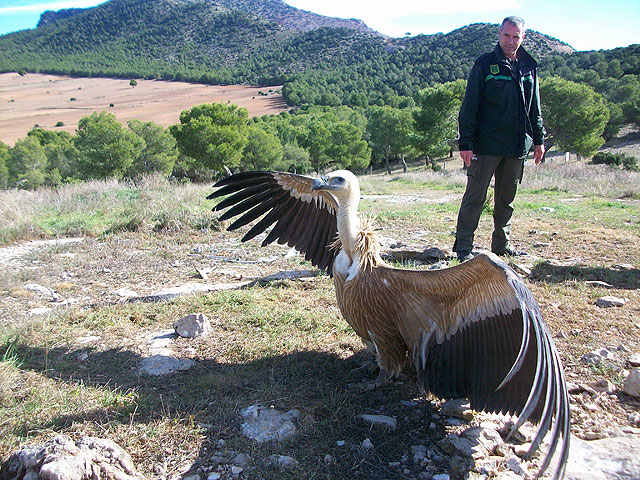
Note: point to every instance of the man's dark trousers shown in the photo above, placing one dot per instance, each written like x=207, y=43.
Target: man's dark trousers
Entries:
x=508, y=173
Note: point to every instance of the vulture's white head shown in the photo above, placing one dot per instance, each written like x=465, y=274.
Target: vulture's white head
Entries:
x=342, y=184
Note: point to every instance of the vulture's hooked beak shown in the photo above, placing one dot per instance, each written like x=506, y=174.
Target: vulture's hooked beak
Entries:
x=320, y=184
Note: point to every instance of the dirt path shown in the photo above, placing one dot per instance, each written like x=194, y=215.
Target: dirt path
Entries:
x=46, y=100
x=13, y=254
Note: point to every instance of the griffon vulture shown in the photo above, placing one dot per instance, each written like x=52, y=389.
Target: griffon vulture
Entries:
x=473, y=330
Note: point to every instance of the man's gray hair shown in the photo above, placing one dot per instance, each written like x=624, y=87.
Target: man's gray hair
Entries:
x=513, y=20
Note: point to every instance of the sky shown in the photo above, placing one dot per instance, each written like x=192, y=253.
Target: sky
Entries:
x=583, y=24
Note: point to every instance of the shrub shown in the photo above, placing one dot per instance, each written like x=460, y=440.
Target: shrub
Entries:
x=60, y=124
x=630, y=163
x=616, y=159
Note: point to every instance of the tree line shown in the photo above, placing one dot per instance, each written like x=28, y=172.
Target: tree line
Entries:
x=212, y=137
x=204, y=42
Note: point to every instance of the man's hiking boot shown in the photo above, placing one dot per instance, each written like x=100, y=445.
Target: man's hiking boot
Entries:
x=464, y=255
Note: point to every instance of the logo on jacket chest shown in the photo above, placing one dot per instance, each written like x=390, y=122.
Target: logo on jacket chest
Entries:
x=494, y=69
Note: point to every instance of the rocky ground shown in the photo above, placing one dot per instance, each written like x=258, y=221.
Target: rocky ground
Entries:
x=605, y=415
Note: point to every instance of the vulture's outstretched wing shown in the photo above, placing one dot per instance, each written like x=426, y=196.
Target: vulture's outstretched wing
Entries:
x=476, y=331
x=303, y=218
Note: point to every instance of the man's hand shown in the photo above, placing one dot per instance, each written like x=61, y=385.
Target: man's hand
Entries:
x=538, y=153
x=467, y=155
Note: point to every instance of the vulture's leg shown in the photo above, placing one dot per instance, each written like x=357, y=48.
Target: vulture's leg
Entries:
x=370, y=366
x=382, y=380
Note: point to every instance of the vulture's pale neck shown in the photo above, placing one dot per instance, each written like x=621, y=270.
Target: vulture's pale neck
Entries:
x=348, y=223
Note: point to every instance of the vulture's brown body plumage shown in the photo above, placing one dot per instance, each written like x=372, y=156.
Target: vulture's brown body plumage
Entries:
x=473, y=330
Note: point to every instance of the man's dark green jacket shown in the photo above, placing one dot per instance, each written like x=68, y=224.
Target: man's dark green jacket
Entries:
x=500, y=114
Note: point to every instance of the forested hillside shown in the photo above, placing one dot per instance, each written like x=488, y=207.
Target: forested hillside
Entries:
x=245, y=41
x=320, y=60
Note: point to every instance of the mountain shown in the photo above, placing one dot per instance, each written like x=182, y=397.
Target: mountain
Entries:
x=50, y=16
x=267, y=42
x=293, y=18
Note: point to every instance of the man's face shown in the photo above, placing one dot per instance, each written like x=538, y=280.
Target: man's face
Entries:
x=510, y=38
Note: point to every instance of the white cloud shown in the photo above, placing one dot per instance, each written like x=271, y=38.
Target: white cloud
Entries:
x=41, y=7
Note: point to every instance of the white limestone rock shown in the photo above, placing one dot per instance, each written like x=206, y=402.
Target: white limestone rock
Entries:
x=193, y=325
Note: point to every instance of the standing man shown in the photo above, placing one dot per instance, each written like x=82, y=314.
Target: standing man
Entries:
x=499, y=122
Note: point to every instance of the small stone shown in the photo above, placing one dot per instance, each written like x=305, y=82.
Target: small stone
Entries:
x=458, y=408
x=603, y=385
x=42, y=290
x=39, y=311
x=592, y=407
x=159, y=365
x=513, y=464
x=441, y=476
x=214, y=476
x=380, y=420
x=419, y=453
x=610, y=301
x=341, y=443
x=632, y=383
x=634, y=360
x=263, y=424
x=634, y=419
x=366, y=444
x=126, y=293
x=454, y=422
x=282, y=461
x=328, y=459
x=63, y=458
x=236, y=470
x=597, y=356
x=623, y=348
x=241, y=460
x=193, y=326
x=590, y=435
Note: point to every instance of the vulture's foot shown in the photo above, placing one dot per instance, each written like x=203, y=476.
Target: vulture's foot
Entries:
x=370, y=366
x=382, y=381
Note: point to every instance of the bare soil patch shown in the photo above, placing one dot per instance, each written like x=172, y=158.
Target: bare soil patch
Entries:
x=46, y=100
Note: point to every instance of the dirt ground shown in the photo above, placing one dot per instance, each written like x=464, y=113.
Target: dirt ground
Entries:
x=48, y=99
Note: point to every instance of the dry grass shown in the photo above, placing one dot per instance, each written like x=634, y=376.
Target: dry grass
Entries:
x=283, y=344
x=102, y=207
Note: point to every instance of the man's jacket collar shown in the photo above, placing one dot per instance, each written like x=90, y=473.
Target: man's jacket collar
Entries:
x=523, y=56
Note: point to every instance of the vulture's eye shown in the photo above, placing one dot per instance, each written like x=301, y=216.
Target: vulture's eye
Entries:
x=339, y=180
